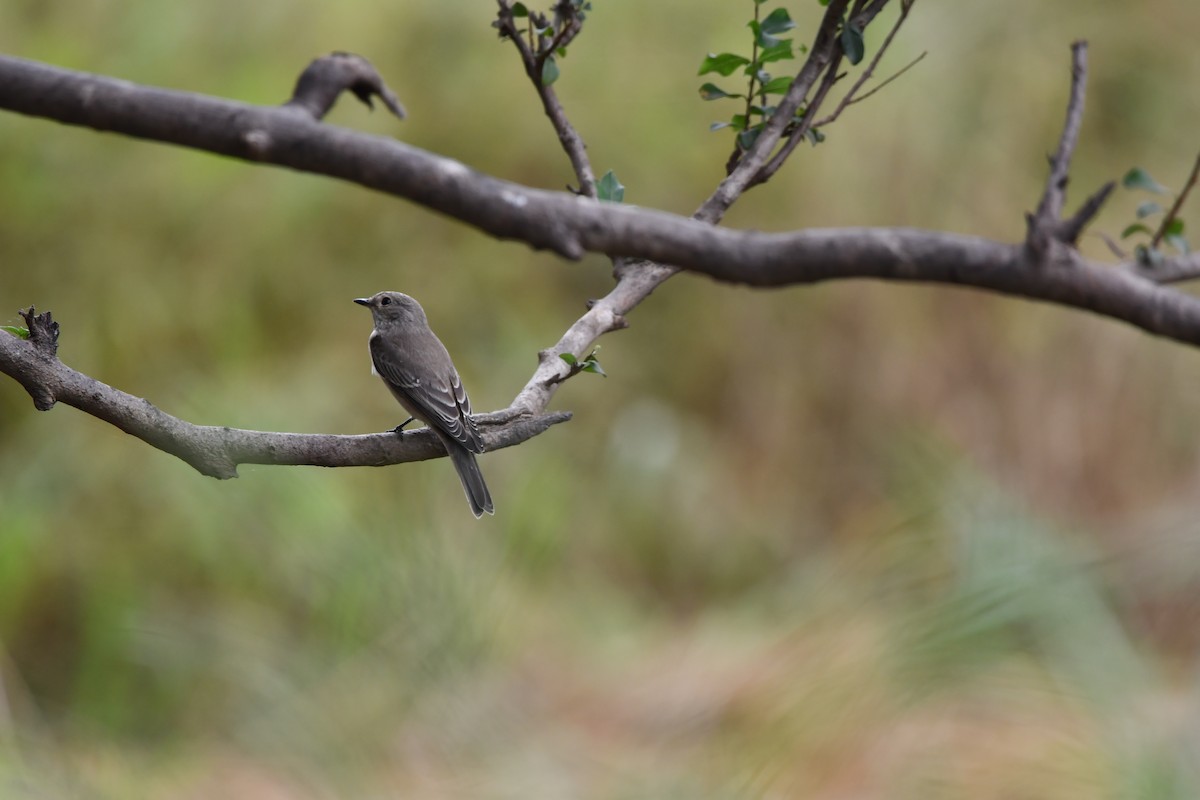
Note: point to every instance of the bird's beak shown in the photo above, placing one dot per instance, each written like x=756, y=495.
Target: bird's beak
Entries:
x=363, y=301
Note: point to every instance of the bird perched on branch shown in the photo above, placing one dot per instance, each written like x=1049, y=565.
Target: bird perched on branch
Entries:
x=417, y=369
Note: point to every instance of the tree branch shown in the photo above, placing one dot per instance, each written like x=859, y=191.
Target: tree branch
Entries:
x=217, y=451
x=851, y=97
x=1045, y=226
x=1173, y=211
x=567, y=224
x=820, y=54
x=568, y=137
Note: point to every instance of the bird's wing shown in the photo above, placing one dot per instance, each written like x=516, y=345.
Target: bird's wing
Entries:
x=439, y=400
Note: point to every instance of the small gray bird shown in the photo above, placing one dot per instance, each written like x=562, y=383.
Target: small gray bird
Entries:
x=414, y=364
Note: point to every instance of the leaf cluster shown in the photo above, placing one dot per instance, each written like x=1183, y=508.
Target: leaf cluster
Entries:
x=587, y=364
x=767, y=47
x=1170, y=228
x=548, y=33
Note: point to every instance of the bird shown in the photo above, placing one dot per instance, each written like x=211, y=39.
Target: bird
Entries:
x=416, y=367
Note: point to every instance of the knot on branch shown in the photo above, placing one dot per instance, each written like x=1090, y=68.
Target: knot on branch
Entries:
x=43, y=337
x=328, y=76
x=43, y=331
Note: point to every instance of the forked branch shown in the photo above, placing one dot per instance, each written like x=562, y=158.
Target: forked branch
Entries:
x=569, y=225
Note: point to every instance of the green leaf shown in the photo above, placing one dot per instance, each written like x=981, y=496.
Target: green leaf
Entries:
x=1178, y=242
x=610, y=189
x=815, y=136
x=1136, y=227
x=778, y=85
x=716, y=126
x=549, y=71
x=763, y=39
x=519, y=10
x=852, y=43
x=723, y=63
x=1147, y=208
x=1138, y=178
x=747, y=138
x=567, y=357
x=593, y=366
x=738, y=122
x=16, y=330
x=710, y=91
x=779, y=52
x=1174, y=227
x=777, y=21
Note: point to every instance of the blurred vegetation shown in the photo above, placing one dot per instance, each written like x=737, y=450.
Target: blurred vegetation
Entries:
x=852, y=540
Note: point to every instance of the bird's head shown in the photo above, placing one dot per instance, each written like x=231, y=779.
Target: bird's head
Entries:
x=392, y=307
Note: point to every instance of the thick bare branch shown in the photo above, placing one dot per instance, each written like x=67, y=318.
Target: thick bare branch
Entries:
x=567, y=224
x=217, y=451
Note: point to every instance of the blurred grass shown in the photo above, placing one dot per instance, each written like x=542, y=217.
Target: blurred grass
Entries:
x=850, y=540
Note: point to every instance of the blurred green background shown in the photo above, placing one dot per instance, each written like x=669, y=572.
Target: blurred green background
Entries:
x=852, y=540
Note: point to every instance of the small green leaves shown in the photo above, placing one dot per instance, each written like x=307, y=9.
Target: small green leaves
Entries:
x=548, y=34
x=852, y=42
x=777, y=21
x=1147, y=209
x=16, y=330
x=549, y=71
x=778, y=85
x=710, y=91
x=1138, y=178
x=765, y=32
x=610, y=189
x=779, y=52
x=589, y=364
x=1169, y=231
x=722, y=63
x=766, y=48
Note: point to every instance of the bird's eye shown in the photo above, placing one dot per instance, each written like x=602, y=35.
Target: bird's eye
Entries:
x=385, y=301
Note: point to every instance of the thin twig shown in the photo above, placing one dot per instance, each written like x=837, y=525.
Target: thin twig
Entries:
x=1070, y=229
x=1050, y=208
x=851, y=98
x=797, y=133
x=1178, y=204
x=802, y=128
x=561, y=39
x=572, y=143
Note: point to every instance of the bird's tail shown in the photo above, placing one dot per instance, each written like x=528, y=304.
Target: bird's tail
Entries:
x=472, y=479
